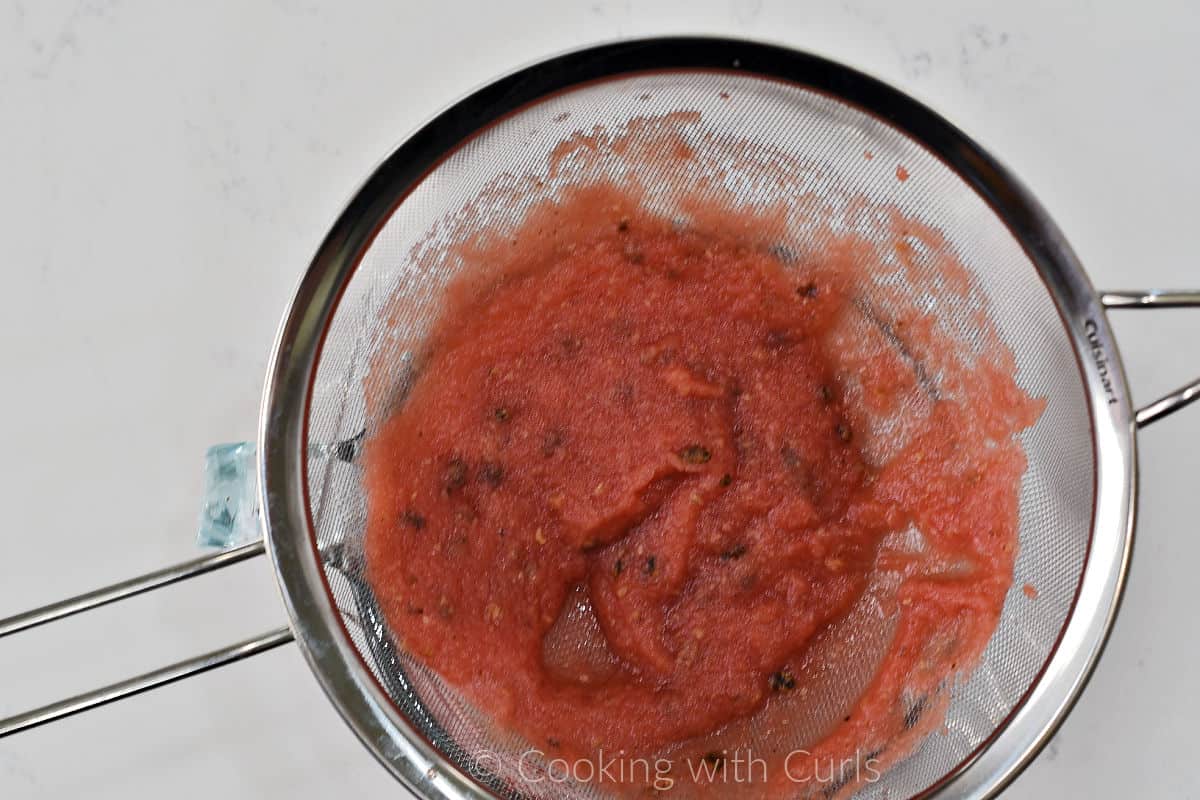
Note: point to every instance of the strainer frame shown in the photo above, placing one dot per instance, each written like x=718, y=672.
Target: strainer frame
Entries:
x=282, y=438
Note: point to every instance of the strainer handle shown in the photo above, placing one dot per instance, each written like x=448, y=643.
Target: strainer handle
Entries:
x=1154, y=298
x=129, y=588
x=150, y=680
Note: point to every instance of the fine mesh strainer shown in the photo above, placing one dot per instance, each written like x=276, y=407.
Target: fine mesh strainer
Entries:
x=376, y=284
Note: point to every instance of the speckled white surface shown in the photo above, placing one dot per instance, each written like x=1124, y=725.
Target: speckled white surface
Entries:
x=167, y=168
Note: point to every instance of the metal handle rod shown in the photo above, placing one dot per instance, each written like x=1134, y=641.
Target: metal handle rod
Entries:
x=129, y=588
x=1168, y=404
x=142, y=683
x=1150, y=298
x=1155, y=298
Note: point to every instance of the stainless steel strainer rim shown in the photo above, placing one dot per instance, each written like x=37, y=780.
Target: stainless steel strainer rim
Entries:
x=283, y=429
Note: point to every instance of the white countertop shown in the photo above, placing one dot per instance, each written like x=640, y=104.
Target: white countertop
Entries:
x=167, y=168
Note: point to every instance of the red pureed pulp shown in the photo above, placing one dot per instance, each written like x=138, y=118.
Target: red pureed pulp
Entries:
x=638, y=482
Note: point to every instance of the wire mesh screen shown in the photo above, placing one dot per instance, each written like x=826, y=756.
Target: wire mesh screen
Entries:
x=754, y=139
